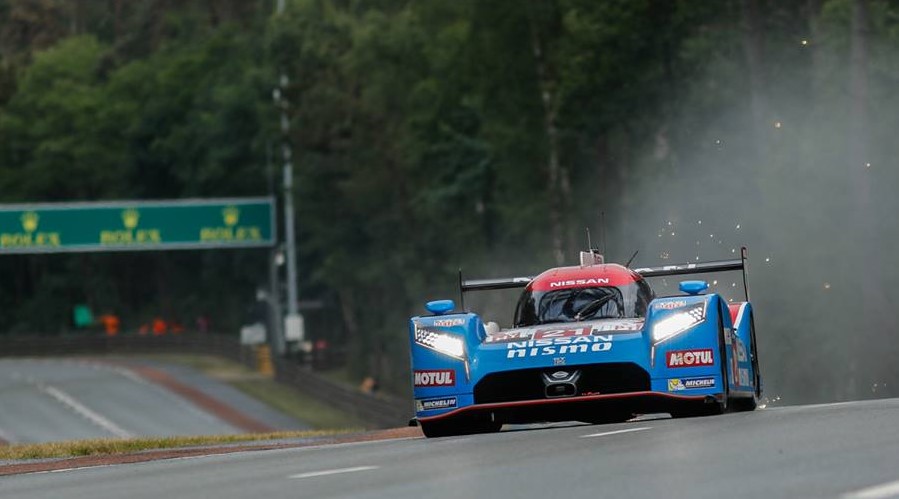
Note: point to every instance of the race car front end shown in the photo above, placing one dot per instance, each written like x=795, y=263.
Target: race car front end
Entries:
x=594, y=371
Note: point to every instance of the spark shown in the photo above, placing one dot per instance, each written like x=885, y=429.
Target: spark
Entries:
x=767, y=260
x=711, y=236
x=717, y=141
x=867, y=165
x=777, y=124
x=733, y=284
x=669, y=223
x=715, y=282
x=804, y=42
x=697, y=243
x=699, y=222
x=672, y=233
x=738, y=226
x=733, y=250
x=697, y=258
x=826, y=285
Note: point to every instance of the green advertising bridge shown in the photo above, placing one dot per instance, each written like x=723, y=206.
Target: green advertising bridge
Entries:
x=137, y=225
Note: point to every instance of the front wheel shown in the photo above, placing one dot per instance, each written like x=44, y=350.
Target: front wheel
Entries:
x=711, y=408
x=608, y=418
x=451, y=427
x=750, y=403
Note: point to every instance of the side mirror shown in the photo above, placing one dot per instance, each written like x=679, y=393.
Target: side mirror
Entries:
x=440, y=307
x=693, y=287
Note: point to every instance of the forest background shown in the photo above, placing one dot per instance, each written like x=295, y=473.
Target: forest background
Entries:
x=429, y=136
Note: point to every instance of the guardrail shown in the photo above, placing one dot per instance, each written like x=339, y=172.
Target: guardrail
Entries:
x=379, y=411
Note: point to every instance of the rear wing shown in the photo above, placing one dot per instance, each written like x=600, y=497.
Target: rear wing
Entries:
x=667, y=270
x=701, y=268
x=488, y=284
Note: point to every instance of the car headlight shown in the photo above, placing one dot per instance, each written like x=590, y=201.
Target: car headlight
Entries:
x=678, y=322
x=447, y=344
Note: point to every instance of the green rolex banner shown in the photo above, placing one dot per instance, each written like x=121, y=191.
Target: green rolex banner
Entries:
x=137, y=225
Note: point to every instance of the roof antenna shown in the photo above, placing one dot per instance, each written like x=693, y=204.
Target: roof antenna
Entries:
x=603, y=218
x=628, y=264
x=589, y=243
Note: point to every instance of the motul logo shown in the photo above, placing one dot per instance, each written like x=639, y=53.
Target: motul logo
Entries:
x=690, y=358
x=441, y=377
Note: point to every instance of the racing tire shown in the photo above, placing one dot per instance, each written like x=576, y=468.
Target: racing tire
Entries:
x=714, y=408
x=608, y=418
x=449, y=428
x=750, y=403
x=724, y=405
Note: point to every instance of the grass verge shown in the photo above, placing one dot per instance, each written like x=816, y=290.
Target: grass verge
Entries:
x=108, y=446
x=315, y=413
x=303, y=407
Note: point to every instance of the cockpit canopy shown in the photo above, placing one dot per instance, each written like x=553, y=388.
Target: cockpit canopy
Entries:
x=573, y=294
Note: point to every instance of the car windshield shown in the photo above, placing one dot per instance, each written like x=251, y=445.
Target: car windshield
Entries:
x=581, y=304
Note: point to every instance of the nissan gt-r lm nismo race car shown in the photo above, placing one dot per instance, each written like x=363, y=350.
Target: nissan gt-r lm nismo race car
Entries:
x=590, y=343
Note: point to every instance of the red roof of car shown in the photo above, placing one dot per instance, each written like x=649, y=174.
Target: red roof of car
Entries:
x=610, y=274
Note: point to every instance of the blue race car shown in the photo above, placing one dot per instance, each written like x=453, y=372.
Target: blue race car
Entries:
x=590, y=343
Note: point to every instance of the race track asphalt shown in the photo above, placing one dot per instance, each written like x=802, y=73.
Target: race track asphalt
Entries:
x=833, y=450
x=45, y=400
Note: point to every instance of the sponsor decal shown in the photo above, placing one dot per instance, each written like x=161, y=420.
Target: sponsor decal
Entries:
x=744, y=377
x=690, y=358
x=627, y=325
x=560, y=375
x=678, y=384
x=670, y=305
x=558, y=361
x=437, y=377
x=434, y=404
x=558, y=346
x=734, y=365
x=597, y=281
x=507, y=336
x=699, y=383
x=562, y=333
x=741, y=352
x=449, y=322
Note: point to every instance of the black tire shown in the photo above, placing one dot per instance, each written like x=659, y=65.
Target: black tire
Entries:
x=723, y=406
x=697, y=410
x=608, y=418
x=715, y=408
x=451, y=427
x=750, y=403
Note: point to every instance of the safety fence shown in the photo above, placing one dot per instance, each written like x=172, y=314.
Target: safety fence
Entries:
x=377, y=410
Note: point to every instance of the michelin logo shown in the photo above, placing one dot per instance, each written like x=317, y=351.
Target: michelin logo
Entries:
x=678, y=384
x=434, y=404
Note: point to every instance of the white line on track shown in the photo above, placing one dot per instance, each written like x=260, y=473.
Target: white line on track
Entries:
x=616, y=432
x=890, y=489
x=93, y=416
x=338, y=471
